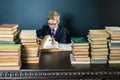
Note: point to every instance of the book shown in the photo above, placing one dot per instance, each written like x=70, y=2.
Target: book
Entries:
x=8, y=32
x=31, y=61
x=114, y=47
x=28, y=34
x=97, y=43
x=28, y=40
x=10, y=47
x=98, y=46
x=80, y=52
x=9, y=60
x=82, y=59
x=10, y=67
x=77, y=62
x=79, y=41
x=7, y=27
x=77, y=49
x=98, y=33
x=30, y=47
x=10, y=38
x=26, y=53
x=80, y=46
x=113, y=29
x=99, y=49
x=9, y=42
x=9, y=35
x=114, y=61
x=99, y=61
x=30, y=58
x=96, y=37
x=10, y=63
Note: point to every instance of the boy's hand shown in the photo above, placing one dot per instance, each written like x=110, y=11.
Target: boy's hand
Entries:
x=53, y=40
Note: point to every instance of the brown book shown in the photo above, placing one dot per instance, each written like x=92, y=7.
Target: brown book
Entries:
x=80, y=56
x=80, y=47
x=114, y=51
x=8, y=60
x=30, y=58
x=100, y=33
x=99, y=46
x=29, y=43
x=10, y=53
x=8, y=32
x=114, y=58
x=115, y=47
x=27, y=53
x=114, y=55
x=30, y=47
x=28, y=40
x=28, y=34
x=99, y=58
x=97, y=42
x=114, y=61
x=80, y=52
x=96, y=53
x=9, y=35
x=10, y=67
x=96, y=37
x=85, y=59
x=113, y=29
x=8, y=27
x=77, y=49
x=31, y=61
x=10, y=63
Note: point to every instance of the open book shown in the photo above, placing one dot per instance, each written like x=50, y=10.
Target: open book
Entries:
x=47, y=46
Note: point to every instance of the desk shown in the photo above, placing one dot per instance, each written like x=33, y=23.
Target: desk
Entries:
x=57, y=65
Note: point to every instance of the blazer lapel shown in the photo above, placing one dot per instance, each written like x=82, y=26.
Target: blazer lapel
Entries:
x=57, y=32
x=49, y=31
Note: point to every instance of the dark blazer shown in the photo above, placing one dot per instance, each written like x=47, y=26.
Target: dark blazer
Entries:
x=60, y=35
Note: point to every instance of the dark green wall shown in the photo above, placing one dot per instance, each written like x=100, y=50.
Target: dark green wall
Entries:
x=77, y=15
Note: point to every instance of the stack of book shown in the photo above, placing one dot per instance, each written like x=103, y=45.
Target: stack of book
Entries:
x=10, y=56
x=80, y=50
x=9, y=33
x=30, y=54
x=30, y=48
x=114, y=44
x=98, y=43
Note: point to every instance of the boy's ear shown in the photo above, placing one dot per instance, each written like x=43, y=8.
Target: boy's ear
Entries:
x=58, y=21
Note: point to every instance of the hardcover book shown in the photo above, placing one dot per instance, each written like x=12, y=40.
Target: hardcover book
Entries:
x=8, y=27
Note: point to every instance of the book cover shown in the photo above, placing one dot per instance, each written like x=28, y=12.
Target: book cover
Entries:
x=10, y=47
x=28, y=34
x=8, y=27
x=96, y=33
x=79, y=40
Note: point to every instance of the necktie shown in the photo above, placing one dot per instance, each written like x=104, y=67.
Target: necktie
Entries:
x=53, y=32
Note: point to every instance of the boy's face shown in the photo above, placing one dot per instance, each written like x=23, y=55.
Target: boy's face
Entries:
x=53, y=23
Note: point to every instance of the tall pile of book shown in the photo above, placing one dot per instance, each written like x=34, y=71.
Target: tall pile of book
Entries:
x=98, y=43
x=30, y=50
x=114, y=44
x=9, y=33
x=80, y=50
x=10, y=56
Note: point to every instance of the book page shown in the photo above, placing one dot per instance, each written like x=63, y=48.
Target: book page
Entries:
x=48, y=43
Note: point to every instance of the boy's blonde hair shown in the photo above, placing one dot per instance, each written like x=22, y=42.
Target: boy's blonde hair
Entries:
x=53, y=15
